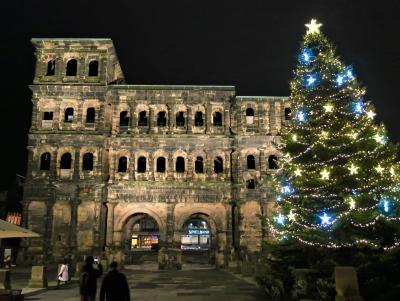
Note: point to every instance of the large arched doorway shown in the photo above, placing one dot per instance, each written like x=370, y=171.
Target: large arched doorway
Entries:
x=142, y=235
x=198, y=240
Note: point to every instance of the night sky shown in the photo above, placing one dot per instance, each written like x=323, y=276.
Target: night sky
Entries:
x=250, y=44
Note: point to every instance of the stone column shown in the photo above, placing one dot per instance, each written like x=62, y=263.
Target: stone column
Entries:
x=189, y=118
x=74, y=225
x=76, y=165
x=171, y=119
x=110, y=224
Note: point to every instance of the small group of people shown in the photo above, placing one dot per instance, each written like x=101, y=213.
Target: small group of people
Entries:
x=114, y=286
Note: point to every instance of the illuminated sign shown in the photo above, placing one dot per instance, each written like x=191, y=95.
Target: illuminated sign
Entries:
x=198, y=231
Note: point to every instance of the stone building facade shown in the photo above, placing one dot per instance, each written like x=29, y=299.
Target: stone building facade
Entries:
x=104, y=155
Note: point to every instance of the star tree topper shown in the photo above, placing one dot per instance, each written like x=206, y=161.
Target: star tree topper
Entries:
x=313, y=26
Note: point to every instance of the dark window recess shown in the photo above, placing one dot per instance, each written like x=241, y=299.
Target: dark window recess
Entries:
x=251, y=162
x=69, y=115
x=141, y=164
x=198, y=119
x=249, y=112
x=288, y=114
x=72, y=67
x=218, y=165
x=59, y=237
x=87, y=161
x=94, y=68
x=198, y=165
x=122, y=164
x=48, y=116
x=161, y=119
x=161, y=164
x=250, y=184
x=272, y=162
x=51, y=68
x=180, y=119
x=124, y=118
x=45, y=161
x=217, y=119
x=142, y=118
x=90, y=115
x=180, y=164
x=66, y=160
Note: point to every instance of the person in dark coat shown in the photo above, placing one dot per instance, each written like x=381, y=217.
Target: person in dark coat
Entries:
x=88, y=279
x=114, y=286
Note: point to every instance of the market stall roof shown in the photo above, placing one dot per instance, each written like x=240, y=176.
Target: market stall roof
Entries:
x=8, y=230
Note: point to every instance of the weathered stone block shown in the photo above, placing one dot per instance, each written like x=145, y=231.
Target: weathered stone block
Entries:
x=38, y=277
x=346, y=283
x=169, y=259
x=5, y=283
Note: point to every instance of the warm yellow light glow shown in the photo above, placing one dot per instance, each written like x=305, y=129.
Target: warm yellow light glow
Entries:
x=392, y=171
x=294, y=137
x=379, y=169
x=313, y=26
x=297, y=172
x=324, y=174
x=328, y=108
x=353, y=169
x=371, y=114
x=292, y=216
x=324, y=134
x=352, y=203
x=378, y=138
x=353, y=134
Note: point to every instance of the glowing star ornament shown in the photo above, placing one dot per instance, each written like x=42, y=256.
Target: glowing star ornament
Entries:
x=358, y=107
x=379, y=138
x=324, y=134
x=385, y=204
x=392, y=172
x=352, y=203
x=292, y=216
x=287, y=189
x=353, y=134
x=379, y=169
x=294, y=137
x=307, y=55
x=324, y=174
x=328, y=108
x=353, y=169
x=325, y=219
x=297, y=172
x=311, y=79
x=301, y=116
x=280, y=219
x=313, y=27
x=371, y=114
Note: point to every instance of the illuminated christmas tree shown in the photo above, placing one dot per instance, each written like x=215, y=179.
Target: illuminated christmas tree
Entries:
x=338, y=186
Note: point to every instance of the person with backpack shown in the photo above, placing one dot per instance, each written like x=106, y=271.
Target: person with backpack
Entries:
x=114, y=286
x=88, y=279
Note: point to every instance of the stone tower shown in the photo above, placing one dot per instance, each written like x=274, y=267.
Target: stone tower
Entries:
x=114, y=168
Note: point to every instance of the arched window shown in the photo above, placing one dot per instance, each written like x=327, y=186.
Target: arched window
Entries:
x=122, y=164
x=90, y=115
x=160, y=164
x=72, y=67
x=198, y=165
x=141, y=164
x=250, y=184
x=180, y=164
x=66, y=160
x=180, y=119
x=217, y=119
x=288, y=114
x=142, y=118
x=272, y=162
x=124, y=118
x=198, y=119
x=161, y=119
x=69, y=115
x=218, y=165
x=94, y=68
x=251, y=162
x=45, y=161
x=51, y=68
x=249, y=116
x=87, y=161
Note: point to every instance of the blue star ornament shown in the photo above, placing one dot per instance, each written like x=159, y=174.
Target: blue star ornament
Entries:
x=345, y=76
x=325, y=219
x=306, y=56
x=358, y=107
x=311, y=81
x=280, y=219
x=386, y=205
x=301, y=116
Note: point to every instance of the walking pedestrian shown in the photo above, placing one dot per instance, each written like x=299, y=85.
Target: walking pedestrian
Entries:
x=114, y=286
x=88, y=279
x=63, y=273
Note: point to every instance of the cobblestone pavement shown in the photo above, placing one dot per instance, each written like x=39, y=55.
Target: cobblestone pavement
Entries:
x=186, y=285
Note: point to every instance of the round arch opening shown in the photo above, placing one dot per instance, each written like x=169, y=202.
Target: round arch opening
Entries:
x=144, y=232
x=196, y=234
